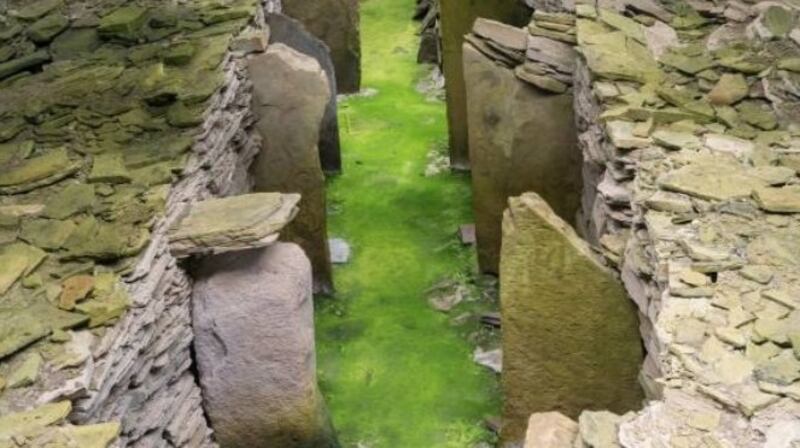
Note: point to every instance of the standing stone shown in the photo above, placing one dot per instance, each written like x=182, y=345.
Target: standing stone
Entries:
x=457, y=17
x=285, y=30
x=521, y=139
x=335, y=22
x=254, y=339
x=290, y=93
x=570, y=333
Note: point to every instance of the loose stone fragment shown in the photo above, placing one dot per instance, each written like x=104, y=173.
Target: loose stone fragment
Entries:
x=124, y=23
x=598, y=429
x=28, y=421
x=26, y=373
x=105, y=241
x=730, y=89
x=109, y=168
x=711, y=178
x=73, y=199
x=23, y=63
x=779, y=200
x=75, y=289
x=508, y=36
x=48, y=27
x=17, y=260
x=37, y=172
x=48, y=234
x=234, y=223
x=557, y=355
x=550, y=430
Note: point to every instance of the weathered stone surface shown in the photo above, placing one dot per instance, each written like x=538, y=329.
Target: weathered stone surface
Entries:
x=290, y=32
x=37, y=172
x=254, y=339
x=730, y=89
x=337, y=23
x=521, y=139
x=234, y=223
x=550, y=430
x=457, y=19
x=289, y=99
x=570, y=334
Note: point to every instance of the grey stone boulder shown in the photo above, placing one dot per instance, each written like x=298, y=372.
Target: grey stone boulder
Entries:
x=254, y=342
x=288, y=31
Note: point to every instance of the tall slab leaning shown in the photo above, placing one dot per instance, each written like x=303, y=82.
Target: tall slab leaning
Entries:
x=253, y=319
x=337, y=23
x=457, y=17
x=570, y=333
x=521, y=139
x=290, y=93
x=283, y=29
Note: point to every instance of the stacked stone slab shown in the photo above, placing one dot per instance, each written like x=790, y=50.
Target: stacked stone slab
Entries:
x=290, y=32
x=337, y=23
x=689, y=128
x=290, y=96
x=457, y=18
x=143, y=115
x=570, y=338
x=521, y=126
x=254, y=323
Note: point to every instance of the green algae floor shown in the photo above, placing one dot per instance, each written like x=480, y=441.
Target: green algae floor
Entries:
x=396, y=373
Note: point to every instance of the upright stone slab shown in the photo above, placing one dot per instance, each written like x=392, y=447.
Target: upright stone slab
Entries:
x=521, y=139
x=335, y=22
x=570, y=333
x=290, y=93
x=253, y=322
x=456, y=18
x=285, y=30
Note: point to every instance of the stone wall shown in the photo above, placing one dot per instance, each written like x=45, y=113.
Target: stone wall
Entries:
x=688, y=128
x=137, y=369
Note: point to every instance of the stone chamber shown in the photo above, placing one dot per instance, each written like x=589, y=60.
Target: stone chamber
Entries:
x=305, y=223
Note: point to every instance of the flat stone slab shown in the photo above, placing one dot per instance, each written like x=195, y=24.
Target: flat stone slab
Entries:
x=234, y=223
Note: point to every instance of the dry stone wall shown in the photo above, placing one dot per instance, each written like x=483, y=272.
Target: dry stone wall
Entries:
x=689, y=128
x=131, y=112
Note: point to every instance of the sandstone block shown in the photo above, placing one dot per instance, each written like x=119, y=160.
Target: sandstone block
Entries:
x=521, y=139
x=550, y=430
x=570, y=333
x=290, y=94
x=254, y=339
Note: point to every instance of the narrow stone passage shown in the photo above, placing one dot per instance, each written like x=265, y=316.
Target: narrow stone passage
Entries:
x=395, y=372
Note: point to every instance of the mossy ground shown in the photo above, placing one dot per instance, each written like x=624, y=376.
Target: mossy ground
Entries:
x=396, y=373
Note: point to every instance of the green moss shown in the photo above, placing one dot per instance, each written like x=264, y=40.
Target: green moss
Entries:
x=395, y=373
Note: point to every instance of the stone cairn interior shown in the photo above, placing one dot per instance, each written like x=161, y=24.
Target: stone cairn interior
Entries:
x=602, y=196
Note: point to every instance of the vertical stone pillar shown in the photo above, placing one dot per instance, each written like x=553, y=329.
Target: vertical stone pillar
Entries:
x=290, y=93
x=285, y=30
x=457, y=17
x=253, y=319
x=521, y=139
x=335, y=22
x=570, y=333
